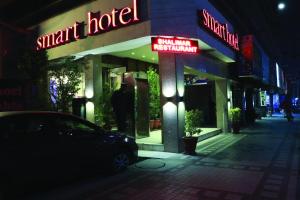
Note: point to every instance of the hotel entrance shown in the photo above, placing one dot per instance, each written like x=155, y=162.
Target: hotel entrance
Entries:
x=202, y=93
x=142, y=73
x=133, y=105
x=137, y=69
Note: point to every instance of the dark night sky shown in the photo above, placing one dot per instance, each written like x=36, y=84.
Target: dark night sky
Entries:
x=283, y=26
x=26, y=13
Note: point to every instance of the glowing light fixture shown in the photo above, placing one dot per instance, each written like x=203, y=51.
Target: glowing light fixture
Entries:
x=89, y=106
x=277, y=75
x=281, y=6
x=170, y=110
x=169, y=90
x=90, y=111
x=89, y=93
x=180, y=89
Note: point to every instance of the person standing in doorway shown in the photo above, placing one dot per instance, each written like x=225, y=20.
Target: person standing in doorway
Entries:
x=287, y=107
x=122, y=102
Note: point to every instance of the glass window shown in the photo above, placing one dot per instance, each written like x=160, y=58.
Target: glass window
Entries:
x=37, y=125
x=13, y=126
x=24, y=125
x=4, y=129
x=74, y=126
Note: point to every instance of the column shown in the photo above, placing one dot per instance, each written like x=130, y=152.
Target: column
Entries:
x=172, y=91
x=222, y=104
x=1, y=54
x=250, y=112
x=93, y=86
x=271, y=103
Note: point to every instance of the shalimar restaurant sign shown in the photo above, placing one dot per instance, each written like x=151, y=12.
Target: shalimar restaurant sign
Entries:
x=218, y=29
x=174, y=45
x=97, y=23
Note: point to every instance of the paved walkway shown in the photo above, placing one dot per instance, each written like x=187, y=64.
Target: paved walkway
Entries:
x=260, y=163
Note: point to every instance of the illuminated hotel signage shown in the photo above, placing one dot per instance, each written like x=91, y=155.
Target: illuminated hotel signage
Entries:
x=219, y=30
x=174, y=45
x=97, y=23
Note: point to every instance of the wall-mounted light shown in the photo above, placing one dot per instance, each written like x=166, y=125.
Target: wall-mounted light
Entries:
x=90, y=109
x=89, y=93
x=281, y=6
x=169, y=89
x=89, y=106
x=180, y=88
x=169, y=110
x=278, y=75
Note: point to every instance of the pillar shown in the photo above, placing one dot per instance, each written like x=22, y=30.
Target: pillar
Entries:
x=1, y=53
x=250, y=112
x=222, y=104
x=172, y=90
x=271, y=103
x=93, y=86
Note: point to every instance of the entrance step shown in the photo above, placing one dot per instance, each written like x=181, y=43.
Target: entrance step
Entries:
x=148, y=146
x=151, y=147
x=208, y=133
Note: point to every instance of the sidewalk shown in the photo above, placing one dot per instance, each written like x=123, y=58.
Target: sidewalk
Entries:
x=260, y=163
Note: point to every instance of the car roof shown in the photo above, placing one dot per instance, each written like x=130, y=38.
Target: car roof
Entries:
x=15, y=113
x=41, y=113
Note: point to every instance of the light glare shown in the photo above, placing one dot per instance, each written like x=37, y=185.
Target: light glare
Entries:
x=281, y=6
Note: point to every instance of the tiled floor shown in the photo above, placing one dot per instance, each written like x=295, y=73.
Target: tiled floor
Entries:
x=261, y=163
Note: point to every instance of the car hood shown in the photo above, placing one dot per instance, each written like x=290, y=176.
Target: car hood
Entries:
x=118, y=137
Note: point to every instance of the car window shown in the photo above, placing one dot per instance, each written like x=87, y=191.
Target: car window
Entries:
x=4, y=131
x=37, y=125
x=13, y=126
x=23, y=126
x=72, y=126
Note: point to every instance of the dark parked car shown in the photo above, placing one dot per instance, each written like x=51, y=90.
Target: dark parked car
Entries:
x=33, y=144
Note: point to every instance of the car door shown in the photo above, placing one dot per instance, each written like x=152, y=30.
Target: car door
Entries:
x=10, y=155
x=15, y=147
x=8, y=146
x=80, y=141
x=43, y=141
x=24, y=143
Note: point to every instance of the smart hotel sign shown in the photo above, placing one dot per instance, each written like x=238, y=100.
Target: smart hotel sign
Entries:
x=218, y=29
x=97, y=23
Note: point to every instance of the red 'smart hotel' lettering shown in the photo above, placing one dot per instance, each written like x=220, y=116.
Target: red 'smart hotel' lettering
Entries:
x=97, y=23
x=122, y=43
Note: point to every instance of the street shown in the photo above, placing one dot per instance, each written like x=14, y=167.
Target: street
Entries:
x=262, y=162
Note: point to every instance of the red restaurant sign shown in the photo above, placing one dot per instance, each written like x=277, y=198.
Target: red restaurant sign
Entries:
x=219, y=30
x=175, y=45
x=97, y=23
